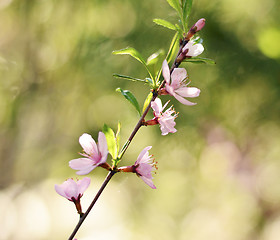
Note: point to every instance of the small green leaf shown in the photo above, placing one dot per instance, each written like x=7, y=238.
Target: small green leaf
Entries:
x=153, y=59
x=150, y=81
x=200, y=60
x=187, y=7
x=118, y=136
x=128, y=78
x=172, y=48
x=132, y=52
x=175, y=4
x=111, y=141
x=135, y=54
x=130, y=97
x=164, y=23
x=147, y=101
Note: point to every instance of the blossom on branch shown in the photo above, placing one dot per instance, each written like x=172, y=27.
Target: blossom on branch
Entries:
x=192, y=49
x=73, y=191
x=176, y=86
x=166, y=119
x=95, y=154
x=143, y=167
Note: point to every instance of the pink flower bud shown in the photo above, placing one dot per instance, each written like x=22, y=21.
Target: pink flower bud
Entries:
x=195, y=28
x=199, y=24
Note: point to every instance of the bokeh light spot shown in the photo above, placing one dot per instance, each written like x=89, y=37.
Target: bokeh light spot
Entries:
x=268, y=42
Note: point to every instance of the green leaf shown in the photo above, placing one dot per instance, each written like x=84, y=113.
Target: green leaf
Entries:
x=153, y=59
x=200, y=60
x=132, y=52
x=175, y=4
x=164, y=23
x=147, y=101
x=128, y=78
x=172, y=48
x=118, y=135
x=111, y=141
x=135, y=54
x=130, y=97
x=187, y=7
x=150, y=81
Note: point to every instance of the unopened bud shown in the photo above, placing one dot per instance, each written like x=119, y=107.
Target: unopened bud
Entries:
x=199, y=24
x=195, y=28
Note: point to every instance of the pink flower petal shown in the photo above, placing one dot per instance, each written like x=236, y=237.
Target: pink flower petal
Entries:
x=102, y=146
x=143, y=155
x=60, y=190
x=88, y=144
x=177, y=76
x=83, y=185
x=194, y=49
x=183, y=100
x=80, y=163
x=157, y=106
x=166, y=71
x=188, y=92
x=169, y=89
x=148, y=181
x=85, y=165
x=145, y=169
x=71, y=189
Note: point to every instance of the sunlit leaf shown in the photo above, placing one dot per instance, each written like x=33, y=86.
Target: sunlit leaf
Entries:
x=128, y=78
x=172, y=48
x=153, y=59
x=164, y=23
x=111, y=141
x=175, y=4
x=135, y=54
x=118, y=136
x=132, y=52
x=150, y=81
x=147, y=101
x=200, y=60
x=187, y=7
x=130, y=97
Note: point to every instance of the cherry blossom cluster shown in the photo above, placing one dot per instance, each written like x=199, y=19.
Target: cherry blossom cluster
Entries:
x=174, y=82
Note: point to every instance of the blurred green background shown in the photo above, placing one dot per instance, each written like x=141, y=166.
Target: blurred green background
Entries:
x=218, y=176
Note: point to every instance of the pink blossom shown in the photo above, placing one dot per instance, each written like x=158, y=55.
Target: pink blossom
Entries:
x=72, y=190
x=144, y=166
x=165, y=119
x=96, y=154
x=193, y=49
x=176, y=86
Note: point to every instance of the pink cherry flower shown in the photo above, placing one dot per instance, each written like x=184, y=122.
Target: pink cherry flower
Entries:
x=175, y=85
x=165, y=119
x=73, y=191
x=144, y=166
x=192, y=49
x=96, y=154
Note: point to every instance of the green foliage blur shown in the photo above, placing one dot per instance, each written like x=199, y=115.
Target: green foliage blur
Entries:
x=218, y=176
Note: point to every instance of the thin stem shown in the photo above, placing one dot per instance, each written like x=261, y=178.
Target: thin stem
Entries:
x=138, y=125
x=127, y=143
x=175, y=64
x=83, y=217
